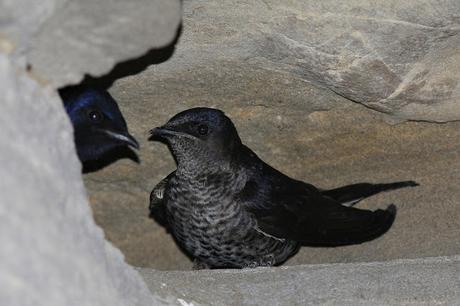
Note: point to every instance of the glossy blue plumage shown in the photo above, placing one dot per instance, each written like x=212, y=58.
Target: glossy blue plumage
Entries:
x=99, y=126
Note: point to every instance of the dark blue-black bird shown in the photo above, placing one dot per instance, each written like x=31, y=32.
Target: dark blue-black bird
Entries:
x=227, y=208
x=98, y=123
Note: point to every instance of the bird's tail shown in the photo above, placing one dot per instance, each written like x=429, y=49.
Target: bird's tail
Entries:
x=357, y=227
x=351, y=194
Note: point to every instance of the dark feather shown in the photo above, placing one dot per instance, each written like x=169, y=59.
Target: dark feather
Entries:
x=291, y=209
x=352, y=194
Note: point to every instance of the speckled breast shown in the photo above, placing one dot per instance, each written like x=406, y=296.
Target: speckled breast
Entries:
x=211, y=226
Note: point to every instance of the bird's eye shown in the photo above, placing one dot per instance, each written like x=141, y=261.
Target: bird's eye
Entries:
x=95, y=116
x=202, y=129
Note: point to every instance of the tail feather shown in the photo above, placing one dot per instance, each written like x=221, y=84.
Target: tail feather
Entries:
x=351, y=194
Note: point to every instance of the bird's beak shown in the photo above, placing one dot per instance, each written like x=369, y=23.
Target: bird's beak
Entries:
x=166, y=131
x=126, y=138
x=160, y=132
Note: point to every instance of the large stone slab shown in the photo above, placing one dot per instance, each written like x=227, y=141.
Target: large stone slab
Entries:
x=20, y=21
x=396, y=57
x=431, y=281
x=61, y=40
x=52, y=252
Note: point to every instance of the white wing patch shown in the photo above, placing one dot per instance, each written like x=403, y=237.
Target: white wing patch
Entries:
x=268, y=235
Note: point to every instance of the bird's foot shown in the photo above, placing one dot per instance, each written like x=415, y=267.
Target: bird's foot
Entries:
x=265, y=261
x=268, y=260
x=250, y=265
x=199, y=265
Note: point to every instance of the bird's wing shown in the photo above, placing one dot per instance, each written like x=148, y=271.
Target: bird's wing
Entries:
x=291, y=209
x=157, y=203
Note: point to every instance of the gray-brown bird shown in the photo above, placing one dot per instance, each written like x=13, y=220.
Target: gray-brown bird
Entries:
x=226, y=208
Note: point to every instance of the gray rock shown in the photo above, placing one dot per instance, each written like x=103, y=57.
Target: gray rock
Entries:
x=52, y=253
x=20, y=21
x=260, y=61
x=63, y=40
x=430, y=281
x=396, y=57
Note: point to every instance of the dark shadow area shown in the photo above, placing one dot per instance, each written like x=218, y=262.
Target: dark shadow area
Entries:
x=109, y=158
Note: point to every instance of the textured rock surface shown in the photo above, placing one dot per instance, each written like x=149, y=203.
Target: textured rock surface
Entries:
x=431, y=281
x=52, y=252
x=287, y=123
x=62, y=40
x=18, y=28
x=393, y=56
x=255, y=60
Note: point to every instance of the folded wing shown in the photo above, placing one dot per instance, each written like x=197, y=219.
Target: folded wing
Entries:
x=291, y=209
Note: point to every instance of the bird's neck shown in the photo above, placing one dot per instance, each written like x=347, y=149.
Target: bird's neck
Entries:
x=193, y=169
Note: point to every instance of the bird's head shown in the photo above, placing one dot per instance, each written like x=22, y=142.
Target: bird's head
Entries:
x=199, y=137
x=97, y=121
